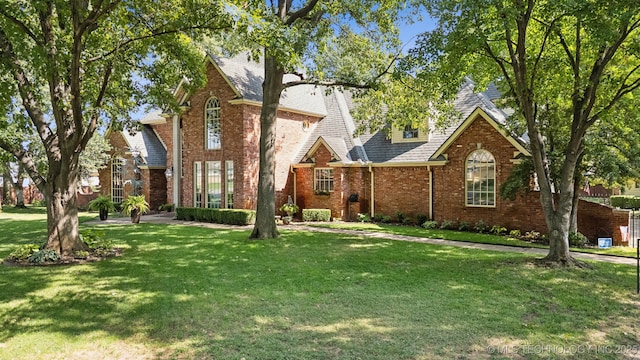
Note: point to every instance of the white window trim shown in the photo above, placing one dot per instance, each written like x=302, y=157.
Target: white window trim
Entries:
x=492, y=176
x=197, y=183
x=229, y=180
x=117, y=193
x=316, y=180
x=207, y=139
x=211, y=164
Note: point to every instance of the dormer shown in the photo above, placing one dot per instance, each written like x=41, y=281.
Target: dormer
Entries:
x=408, y=133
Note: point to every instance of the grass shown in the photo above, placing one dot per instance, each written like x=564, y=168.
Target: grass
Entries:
x=465, y=236
x=182, y=292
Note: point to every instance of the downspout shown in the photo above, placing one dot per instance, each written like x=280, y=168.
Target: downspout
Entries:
x=295, y=185
x=430, y=192
x=177, y=161
x=373, y=201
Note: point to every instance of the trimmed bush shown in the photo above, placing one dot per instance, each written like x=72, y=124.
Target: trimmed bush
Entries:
x=430, y=225
x=625, y=201
x=316, y=215
x=217, y=216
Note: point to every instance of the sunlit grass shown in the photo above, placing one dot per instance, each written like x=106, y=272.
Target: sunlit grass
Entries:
x=181, y=292
x=464, y=236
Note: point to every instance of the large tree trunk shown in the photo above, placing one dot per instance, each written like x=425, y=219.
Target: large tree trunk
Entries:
x=265, y=226
x=62, y=214
x=6, y=184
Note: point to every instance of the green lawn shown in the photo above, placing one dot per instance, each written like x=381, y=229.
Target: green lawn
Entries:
x=464, y=236
x=181, y=292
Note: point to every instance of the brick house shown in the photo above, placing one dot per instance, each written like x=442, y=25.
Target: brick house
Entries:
x=207, y=155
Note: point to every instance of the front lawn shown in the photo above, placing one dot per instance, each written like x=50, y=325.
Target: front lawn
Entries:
x=468, y=236
x=182, y=292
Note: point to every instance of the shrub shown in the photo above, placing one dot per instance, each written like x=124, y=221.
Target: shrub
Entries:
x=39, y=203
x=386, y=219
x=41, y=256
x=515, y=233
x=23, y=252
x=316, y=215
x=625, y=201
x=400, y=216
x=577, y=239
x=447, y=225
x=166, y=207
x=421, y=218
x=377, y=218
x=408, y=221
x=480, y=227
x=464, y=226
x=218, y=216
x=430, y=225
x=363, y=217
x=498, y=230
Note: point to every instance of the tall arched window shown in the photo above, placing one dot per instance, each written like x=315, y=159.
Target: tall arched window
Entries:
x=212, y=123
x=481, y=179
x=117, y=179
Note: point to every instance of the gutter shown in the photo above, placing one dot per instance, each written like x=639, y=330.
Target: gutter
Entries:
x=430, y=192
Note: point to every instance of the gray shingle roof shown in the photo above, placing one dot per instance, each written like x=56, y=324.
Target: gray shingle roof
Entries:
x=247, y=77
x=151, y=149
x=336, y=129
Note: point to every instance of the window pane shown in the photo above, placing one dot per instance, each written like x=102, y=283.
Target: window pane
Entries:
x=117, y=180
x=212, y=124
x=230, y=178
x=197, y=184
x=214, y=184
x=480, y=179
x=323, y=180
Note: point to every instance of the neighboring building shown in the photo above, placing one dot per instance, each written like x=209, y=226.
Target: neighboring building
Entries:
x=209, y=152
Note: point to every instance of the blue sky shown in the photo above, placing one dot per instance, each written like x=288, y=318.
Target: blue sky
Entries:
x=409, y=31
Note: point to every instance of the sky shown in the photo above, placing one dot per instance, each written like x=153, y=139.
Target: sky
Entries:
x=408, y=32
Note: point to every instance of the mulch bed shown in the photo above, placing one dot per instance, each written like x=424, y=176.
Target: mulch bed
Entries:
x=66, y=260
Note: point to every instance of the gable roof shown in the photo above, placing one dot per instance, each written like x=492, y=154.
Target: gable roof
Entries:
x=152, y=151
x=337, y=130
x=246, y=78
x=468, y=121
x=377, y=148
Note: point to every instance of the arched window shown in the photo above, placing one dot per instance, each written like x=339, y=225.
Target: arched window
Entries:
x=212, y=123
x=117, y=179
x=481, y=179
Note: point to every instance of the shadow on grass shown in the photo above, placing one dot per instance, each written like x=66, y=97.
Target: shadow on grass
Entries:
x=190, y=292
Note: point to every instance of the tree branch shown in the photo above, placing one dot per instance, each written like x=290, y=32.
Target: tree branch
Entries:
x=21, y=25
x=302, y=12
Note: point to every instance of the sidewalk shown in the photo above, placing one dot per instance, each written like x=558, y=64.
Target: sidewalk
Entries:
x=169, y=218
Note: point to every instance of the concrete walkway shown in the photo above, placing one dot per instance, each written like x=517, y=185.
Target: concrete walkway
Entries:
x=169, y=218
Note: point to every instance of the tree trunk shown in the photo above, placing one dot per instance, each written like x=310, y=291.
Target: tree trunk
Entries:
x=573, y=225
x=62, y=214
x=265, y=226
x=17, y=187
x=6, y=185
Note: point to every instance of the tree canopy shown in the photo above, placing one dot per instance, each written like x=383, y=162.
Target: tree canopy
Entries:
x=69, y=67
x=327, y=43
x=566, y=66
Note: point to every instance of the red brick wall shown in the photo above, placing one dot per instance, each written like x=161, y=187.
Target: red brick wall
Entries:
x=401, y=189
x=240, y=128
x=597, y=220
x=525, y=213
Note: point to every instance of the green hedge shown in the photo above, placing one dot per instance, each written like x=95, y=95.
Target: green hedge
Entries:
x=625, y=201
x=316, y=215
x=217, y=216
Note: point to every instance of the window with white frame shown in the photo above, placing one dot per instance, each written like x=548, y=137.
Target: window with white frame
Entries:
x=212, y=123
x=117, y=179
x=410, y=132
x=197, y=184
x=323, y=180
x=481, y=179
x=214, y=184
x=229, y=187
